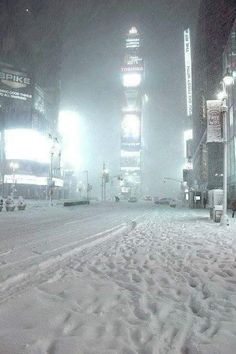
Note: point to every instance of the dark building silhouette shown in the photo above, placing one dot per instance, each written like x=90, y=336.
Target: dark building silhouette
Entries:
x=31, y=40
x=215, y=21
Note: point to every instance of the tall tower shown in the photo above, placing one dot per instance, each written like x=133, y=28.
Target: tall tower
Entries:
x=132, y=72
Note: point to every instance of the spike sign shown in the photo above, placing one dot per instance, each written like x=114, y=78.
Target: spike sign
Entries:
x=15, y=84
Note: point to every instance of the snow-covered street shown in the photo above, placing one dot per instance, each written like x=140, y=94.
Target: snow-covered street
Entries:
x=116, y=278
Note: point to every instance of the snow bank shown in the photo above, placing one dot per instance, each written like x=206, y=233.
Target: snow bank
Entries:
x=167, y=286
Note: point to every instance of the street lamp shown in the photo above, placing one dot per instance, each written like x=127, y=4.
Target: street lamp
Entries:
x=227, y=81
x=87, y=185
x=53, y=149
x=14, y=166
x=105, y=180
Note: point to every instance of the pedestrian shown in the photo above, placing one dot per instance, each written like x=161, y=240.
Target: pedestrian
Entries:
x=204, y=202
x=233, y=207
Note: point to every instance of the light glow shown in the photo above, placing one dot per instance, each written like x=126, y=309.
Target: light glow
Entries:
x=132, y=79
x=146, y=98
x=27, y=144
x=188, y=135
x=131, y=126
x=71, y=136
x=222, y=95
x=14, y=166
x=31, y=180
x=125, y=153
x=131, y=169
x=133, y=30
x=228, y=80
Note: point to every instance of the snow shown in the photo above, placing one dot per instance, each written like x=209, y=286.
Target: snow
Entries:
x=110, y=279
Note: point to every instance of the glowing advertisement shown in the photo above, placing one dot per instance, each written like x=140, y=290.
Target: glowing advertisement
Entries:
x=188, y=71
x=27, y=144
x=15, y=85
x=131, y=128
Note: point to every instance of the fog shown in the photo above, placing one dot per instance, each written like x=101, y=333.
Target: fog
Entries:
x=91, y=85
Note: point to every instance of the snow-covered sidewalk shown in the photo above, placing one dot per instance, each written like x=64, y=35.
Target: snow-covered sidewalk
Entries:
x=166, y=286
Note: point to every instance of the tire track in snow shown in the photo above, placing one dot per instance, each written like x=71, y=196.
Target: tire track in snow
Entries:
x=55, y=260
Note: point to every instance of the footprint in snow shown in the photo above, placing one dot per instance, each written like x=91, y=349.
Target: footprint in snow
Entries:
x=229, y=272
x=192, y=282
x=153, y=307
x=136, y=278
x=141, y=314
x=150, y=281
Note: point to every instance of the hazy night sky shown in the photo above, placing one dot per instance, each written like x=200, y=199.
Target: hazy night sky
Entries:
x=93, y=54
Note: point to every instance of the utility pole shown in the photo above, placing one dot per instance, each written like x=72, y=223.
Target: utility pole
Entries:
x=105, y=180
x=51, y=174
x=87, y=185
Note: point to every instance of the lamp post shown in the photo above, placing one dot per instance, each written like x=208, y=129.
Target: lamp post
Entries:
x=105, y=180
x=227, y=81
x=51, y=175
x=14, y=166
x=87, y=185
x=53, y=148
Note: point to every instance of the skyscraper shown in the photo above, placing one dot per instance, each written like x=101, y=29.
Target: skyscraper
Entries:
x=132, y=72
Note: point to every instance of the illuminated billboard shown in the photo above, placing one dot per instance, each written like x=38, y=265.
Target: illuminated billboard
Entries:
x=131, y=79
x=188, y=71
x=131, y=128
x=27, y=144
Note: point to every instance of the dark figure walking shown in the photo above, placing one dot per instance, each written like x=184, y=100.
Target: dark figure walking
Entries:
x=233, y=207
x=204, y=202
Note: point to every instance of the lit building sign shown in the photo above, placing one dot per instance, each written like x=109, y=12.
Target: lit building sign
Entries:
x=31, y=180
x=15, y=84
x=188, y=71
x=133, y=30
x=126, y=69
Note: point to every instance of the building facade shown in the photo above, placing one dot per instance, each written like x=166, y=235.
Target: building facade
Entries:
x=132, y=73
x=214, y=25
x=230, y=65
